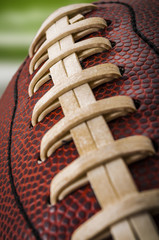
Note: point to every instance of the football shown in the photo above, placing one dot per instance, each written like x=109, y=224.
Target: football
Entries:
x=79, y=127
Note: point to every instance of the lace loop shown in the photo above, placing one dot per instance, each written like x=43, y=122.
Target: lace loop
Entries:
x=124, y=208
x=111, y=108
x=95, y=43
x=70, y=10
x=94, y=75
x=68, y=179
x=87, y=24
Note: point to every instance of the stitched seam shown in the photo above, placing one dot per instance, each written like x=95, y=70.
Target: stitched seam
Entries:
x=14, y=191
x=134, y=26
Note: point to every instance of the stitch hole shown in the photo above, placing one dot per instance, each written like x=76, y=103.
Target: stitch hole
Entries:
x=122, y=70
x=109, y=22
x=113, y=43
x=48, y=201
x=137, y=103
x=30, y=125
x=155, y=145
x=39, y=160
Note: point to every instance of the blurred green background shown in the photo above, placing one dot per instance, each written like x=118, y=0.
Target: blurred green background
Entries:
x=19, y=22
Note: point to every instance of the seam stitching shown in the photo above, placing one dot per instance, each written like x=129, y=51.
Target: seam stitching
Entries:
x=14, y=191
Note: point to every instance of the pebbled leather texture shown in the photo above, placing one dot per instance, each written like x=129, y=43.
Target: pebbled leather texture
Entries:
x=25, y=212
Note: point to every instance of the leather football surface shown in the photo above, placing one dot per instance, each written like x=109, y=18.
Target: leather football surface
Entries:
x=25, y=212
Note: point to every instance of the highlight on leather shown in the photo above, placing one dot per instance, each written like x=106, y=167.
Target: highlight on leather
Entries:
x=102, y=161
